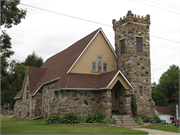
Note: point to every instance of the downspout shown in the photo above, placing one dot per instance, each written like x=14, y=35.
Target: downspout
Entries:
x=41, y=108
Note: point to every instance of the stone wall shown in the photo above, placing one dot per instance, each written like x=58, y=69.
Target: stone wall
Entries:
x=68, y=101
x=22, y=105
x=135, y=65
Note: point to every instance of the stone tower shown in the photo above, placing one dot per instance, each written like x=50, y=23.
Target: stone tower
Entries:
x=132, y=47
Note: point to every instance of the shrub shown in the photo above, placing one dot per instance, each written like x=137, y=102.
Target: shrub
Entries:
x=138, y=120
x=96, y=118
x=151, y=119
x=109, y=121
x=70, y=119
x=55, y=119
x=82, y=119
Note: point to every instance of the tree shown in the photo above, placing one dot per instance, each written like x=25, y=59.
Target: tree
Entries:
x=166, y=93
x=33, y=60
x=10, y=15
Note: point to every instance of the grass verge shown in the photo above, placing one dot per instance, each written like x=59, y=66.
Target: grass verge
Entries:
x=164, y=127
x=23, y=126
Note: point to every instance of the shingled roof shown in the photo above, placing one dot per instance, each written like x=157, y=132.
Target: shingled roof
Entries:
x=165, y=110
x=58, y=65
x=57, y=68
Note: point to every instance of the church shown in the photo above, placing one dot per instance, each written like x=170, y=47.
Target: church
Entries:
x=90, y=75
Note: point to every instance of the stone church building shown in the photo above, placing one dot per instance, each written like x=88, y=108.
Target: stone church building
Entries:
x=91, y=76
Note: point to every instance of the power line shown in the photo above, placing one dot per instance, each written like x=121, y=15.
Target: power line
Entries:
x=165, y=39
x=156, y=7
x=85, y=20
x=171, y=4
x=66, y=15
x=165, y=5
x=165, y=99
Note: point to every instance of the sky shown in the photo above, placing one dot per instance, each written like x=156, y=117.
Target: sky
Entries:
x=48, y=33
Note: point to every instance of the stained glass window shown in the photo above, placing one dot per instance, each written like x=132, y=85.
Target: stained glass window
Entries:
x=99, y=64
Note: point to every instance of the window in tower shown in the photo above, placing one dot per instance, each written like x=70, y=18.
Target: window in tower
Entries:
x=140, y=91
x=139, y=44
x=122, y=43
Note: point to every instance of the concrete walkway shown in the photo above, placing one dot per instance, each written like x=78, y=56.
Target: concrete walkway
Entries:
x=156, y=132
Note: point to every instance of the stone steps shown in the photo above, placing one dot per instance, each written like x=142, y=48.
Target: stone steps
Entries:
x=128, y=122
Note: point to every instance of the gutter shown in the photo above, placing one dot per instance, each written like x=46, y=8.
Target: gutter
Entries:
x=79, y=89
x=44, y=84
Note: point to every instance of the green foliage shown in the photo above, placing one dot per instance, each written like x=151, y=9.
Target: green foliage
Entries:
x=150, y=119
x=138, y=120
x=82, y=119
x=109, y=121
x=55, y=119
x=70, y=119
x=166, y=93
x=96, y=118
x=10, y=15
x=33, y=60
x=134, y=106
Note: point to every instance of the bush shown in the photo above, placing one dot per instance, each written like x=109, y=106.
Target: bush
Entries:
x=55, y=119
x=151, y=119
x=138, y=120
x=109, y=121
x=82, y=119
x=70, y=119
x=96, y=118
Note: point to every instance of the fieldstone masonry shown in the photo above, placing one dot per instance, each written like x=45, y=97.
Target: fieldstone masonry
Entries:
x=135, y=65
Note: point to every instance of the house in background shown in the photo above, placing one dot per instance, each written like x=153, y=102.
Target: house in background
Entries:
x=91, y=76
x=166, y=113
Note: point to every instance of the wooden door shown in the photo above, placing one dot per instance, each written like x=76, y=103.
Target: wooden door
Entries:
x=115, y=99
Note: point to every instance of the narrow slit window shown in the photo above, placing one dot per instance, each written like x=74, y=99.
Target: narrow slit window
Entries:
x=94, y=66
x=99, y=64
x=122, y=42
x=104, y=67
x=139, y=44
x=27, y=95
x=140, y=91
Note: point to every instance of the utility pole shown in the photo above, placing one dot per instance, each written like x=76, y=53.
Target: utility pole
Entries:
x=177, y=116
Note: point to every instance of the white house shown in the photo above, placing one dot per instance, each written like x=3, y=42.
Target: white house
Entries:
x=166, y=113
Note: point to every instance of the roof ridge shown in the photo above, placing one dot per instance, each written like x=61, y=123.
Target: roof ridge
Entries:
x=74, y=43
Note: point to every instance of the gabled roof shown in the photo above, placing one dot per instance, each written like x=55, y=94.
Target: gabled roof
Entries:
x=57, y=68
x=58, y=65
x=165, y=110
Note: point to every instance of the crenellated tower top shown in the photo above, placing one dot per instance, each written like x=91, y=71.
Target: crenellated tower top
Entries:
x=130, y=17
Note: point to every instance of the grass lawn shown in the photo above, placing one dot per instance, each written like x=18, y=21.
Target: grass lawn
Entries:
x=23, y=126
x=164, y=127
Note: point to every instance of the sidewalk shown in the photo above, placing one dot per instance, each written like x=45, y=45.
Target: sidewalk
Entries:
x=156, y=132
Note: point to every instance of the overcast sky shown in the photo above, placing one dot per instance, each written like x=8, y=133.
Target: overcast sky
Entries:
x=48, y=33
